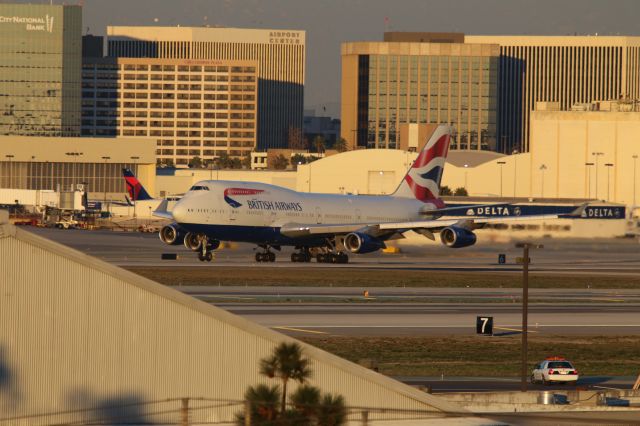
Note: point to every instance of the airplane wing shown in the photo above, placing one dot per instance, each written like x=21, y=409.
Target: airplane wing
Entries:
x=424, y=227
x=161, y=210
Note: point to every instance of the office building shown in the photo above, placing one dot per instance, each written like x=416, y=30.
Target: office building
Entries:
x=40, y=57
x=280, y=65
x=395, y=93
x=562, y=69
x=191, y=108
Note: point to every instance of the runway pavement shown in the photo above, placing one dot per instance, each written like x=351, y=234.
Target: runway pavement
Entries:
x=604, y=257
x=439, y=319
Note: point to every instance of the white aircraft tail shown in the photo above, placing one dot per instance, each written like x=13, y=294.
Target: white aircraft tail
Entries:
x=422, y=181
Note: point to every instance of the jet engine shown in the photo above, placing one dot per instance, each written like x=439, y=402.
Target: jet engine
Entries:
x=193, y=241
x=171, y=234
x=362, y=243
x=456, y=237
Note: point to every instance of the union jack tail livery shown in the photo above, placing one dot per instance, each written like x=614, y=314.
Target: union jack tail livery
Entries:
x=134, y=187
x=422, y=181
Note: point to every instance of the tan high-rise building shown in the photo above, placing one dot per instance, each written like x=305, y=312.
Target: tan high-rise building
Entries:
x=193, y=108
x=565, y=69
x=392, y=92
x=279, y=56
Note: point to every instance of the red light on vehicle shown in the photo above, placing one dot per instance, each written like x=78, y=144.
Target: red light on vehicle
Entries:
x=551, y=371
x=575, y=372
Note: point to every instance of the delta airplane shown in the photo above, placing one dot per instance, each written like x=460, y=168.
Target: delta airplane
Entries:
x=324, y=226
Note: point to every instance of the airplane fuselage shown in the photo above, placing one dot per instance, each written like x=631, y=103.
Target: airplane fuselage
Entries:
x=255, y=212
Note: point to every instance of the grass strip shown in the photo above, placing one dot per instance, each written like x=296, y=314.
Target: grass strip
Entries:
x=477, y=356
x=369, y=278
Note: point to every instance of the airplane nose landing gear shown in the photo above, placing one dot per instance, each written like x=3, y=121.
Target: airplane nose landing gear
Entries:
x=206, y=247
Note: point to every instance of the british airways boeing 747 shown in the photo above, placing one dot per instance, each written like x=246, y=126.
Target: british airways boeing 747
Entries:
x=324, y=226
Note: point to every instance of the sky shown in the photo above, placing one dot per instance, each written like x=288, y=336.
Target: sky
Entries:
x=331, y=22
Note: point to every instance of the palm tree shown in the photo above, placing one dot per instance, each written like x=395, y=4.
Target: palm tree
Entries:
x=286, y=363
x=332, y=411
x=306, y=400
x=263, y=402
x=341, y=145
x=319, y=143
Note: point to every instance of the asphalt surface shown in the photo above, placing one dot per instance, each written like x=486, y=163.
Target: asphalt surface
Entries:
x=559, y=256
x=415, y=319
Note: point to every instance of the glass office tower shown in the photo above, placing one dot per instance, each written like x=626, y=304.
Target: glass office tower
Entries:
x=389, y=84
x=40, y=64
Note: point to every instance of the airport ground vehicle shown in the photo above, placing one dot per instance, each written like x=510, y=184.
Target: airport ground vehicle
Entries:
x=66, y=223
x=554, y=370
x=325, y=226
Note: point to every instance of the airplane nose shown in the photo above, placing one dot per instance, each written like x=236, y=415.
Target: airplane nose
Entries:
x=179, y=212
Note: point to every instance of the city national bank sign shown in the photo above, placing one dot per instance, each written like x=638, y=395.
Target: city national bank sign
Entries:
x=30, y=24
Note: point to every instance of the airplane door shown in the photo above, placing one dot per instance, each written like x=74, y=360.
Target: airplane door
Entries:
x=233, y=214
x=358, y=215
x=318, y=215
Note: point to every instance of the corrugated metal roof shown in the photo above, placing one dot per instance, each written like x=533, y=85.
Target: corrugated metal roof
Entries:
x=74, y=325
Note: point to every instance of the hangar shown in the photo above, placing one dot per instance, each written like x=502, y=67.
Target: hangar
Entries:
x=85, y=341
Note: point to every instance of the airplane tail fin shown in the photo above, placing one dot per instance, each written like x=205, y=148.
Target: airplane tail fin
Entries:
x=134, y=187
x=422, y=181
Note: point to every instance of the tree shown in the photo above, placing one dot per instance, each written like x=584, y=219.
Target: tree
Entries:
x=298, y=159
x=263, y=402
x=341, y=145
x=196, y=162
x=461, y=192
x=332, y=411
x=309, y=407
x=246, y=160
x=280, y=162
x=286, y=363
x=319, y=143
x=445, y=190
x=296, y=139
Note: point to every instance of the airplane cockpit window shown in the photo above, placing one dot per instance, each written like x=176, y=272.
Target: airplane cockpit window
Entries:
x=199, y=188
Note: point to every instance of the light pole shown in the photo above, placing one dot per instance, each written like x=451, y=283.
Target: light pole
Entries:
x=608, y=166
x=501, y=163
x=105, y=158
x=588, y=167
x=597, y=154
x=525, y=309
x=10, y=157
x=542, y=169
x=466, y=166
x=635, y=158
x=515, y=170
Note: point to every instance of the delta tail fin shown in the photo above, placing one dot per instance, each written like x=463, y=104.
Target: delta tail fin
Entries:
x=422, y=181
x=134, y=187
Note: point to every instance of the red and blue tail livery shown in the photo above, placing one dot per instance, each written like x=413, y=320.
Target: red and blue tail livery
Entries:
x=134, y=187
x=422, y=181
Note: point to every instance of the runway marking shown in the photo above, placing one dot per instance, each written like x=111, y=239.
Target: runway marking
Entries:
x=299, y=329
x=514, y=329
